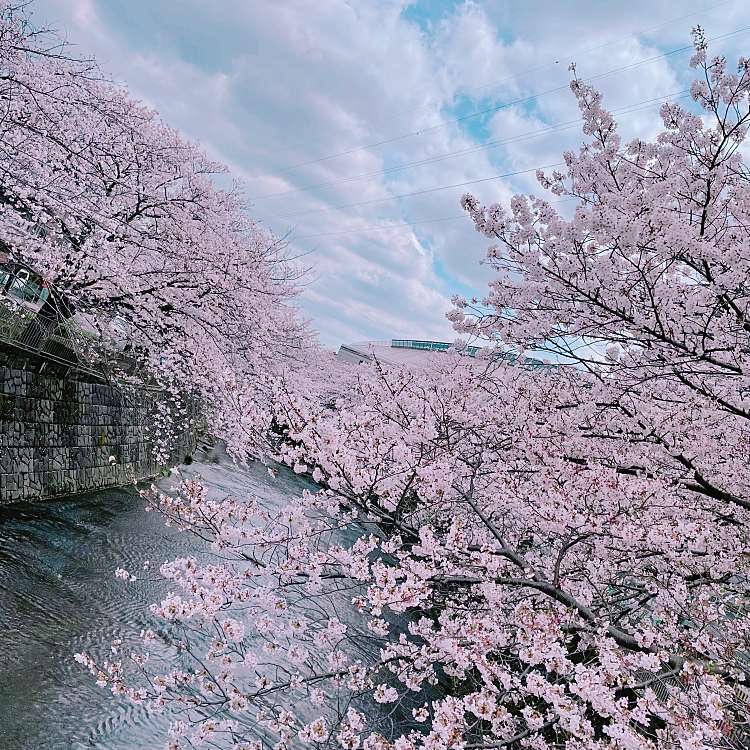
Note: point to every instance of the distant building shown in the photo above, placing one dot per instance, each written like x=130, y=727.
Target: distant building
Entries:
x=397, y=351
x=419, y=353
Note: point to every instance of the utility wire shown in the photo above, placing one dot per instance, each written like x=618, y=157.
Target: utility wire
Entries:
x=489, y=110
x=558, y=127
x=404, y=224
x=422, y=192
x=417, y=192
x=589, y=50
x=381, y=228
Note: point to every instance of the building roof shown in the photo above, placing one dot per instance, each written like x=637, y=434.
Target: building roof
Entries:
x=418, y=353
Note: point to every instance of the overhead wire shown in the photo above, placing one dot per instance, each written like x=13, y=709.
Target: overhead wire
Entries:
x=496, y=108
x=596, y=48
x=493, y=177
x=422, y=192
x=634, y=107
x=557, y=127
x=402, y=224
x=382, y=227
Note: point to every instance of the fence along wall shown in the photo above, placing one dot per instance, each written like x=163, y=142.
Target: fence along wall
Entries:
x=58, y=431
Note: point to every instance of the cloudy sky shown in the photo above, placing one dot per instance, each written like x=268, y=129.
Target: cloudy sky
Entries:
x=354, y=124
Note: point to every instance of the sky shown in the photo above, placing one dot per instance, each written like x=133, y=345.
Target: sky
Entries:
x=354, y=126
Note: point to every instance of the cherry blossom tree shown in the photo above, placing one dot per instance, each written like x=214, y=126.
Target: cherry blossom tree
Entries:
x=500, y=555
x=126, y=218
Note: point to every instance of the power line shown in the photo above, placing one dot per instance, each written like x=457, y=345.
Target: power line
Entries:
x=403, y=224
x=589, y=50
x=558, y=127
x=505, y=105
x=382, y=228
x=494, y=177
x=416, y=192
x=421, y=192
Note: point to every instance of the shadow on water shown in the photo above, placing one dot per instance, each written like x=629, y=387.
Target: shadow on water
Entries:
x=58, y=595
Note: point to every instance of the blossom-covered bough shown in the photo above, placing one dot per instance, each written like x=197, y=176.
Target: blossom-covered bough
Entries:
x=502, y=557
x=125, y=218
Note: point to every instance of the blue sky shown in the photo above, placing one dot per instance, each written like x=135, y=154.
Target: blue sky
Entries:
x=273, y=88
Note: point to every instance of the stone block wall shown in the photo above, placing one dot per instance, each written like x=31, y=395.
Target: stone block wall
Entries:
x=58, y=432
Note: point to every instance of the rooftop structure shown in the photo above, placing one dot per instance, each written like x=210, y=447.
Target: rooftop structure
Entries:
x=38, y=320
x=417, y=353
x=394, y=351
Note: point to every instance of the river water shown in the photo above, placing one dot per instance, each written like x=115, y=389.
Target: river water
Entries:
x=58, y=595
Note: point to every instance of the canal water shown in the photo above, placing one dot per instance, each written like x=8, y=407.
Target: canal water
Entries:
x=58, y=595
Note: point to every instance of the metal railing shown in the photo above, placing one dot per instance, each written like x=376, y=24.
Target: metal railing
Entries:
x=430, y=346
x=54, y=339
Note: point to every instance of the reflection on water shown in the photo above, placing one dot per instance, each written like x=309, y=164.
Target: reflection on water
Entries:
x=58, y=595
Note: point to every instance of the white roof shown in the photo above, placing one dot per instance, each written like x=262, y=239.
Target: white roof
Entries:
x=422, y=353
x=412, y=352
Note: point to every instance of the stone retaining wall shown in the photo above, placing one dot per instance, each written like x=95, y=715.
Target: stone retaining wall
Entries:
x=58, y=432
